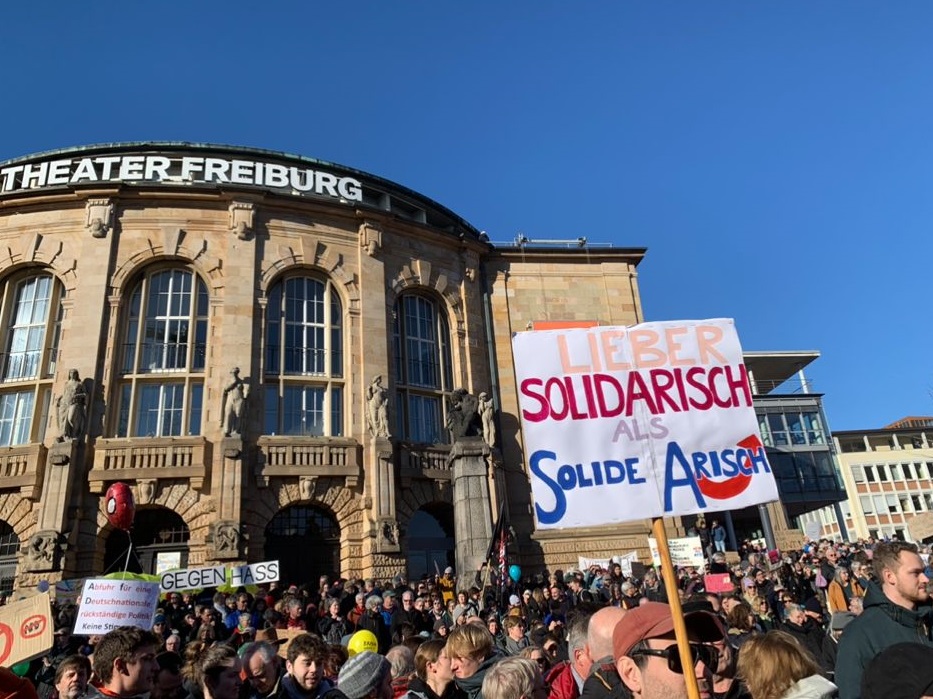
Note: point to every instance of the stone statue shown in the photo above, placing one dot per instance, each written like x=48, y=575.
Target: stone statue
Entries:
x=41, y=551
x=227, y=539
x=377, y=403
x=462, y=418
x=233, y=402
x=487, y=412
x=72, y=408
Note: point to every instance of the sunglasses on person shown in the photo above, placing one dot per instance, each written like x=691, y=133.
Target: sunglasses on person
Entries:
x=698, y=652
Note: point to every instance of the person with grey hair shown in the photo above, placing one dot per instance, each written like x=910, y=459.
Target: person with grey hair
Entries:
x=373, y=621
x=402, y=666
x=629, y=595
x=842, y=589
x=263, y=670
x=567, y=683
x=807, y=632
x=514, y=678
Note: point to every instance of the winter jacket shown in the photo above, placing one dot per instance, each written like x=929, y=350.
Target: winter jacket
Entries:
x=602, y=680
x=882, y=624
x=809, y=634
x=812, y=687
x=836, y=596
x=562, y=683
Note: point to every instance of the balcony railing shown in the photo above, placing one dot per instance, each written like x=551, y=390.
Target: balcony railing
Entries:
x=22, y=468
x=314, y=457
x=425, y=462
x=160, y=457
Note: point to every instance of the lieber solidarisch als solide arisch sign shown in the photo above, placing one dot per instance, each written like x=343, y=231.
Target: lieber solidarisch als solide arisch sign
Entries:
x=628, y=423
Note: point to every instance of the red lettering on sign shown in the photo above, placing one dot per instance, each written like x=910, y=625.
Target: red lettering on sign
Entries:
x=33, y=626
x=6, y=642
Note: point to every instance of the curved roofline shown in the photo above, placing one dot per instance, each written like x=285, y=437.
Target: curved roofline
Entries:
x=243, y=150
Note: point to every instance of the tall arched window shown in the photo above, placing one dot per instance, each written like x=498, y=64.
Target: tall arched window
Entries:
x=422, y=368
x=304, y=359
x=164, y=349
x=31, y=316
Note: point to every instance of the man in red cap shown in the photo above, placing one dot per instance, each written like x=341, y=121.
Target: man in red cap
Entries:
x=644, y=649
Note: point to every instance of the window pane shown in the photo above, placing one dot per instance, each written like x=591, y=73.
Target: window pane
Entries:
x=15, y=418
x=26, y=332
x=194, y=409
x=303, y=411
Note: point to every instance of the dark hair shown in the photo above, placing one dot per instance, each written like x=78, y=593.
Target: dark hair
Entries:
x=887, y=556
x=76, y=661
x=212, y=661
x=120, y=644
x=307, y=644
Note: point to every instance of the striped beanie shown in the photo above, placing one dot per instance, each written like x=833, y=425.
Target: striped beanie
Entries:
x=362, y=673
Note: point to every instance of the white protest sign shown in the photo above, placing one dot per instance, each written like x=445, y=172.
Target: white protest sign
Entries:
x=254, y=574
x=626, y=423
x=687, y=551
x=584, y=563
x=626, y=561
x=192, y=578
x=109, y=604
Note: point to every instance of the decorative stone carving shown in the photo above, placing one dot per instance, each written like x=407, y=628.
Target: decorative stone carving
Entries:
x=470, y=273
x=226, y=539
x=43, y=552
x=146, y=491
x=241, y=219
x=487, y=414
x=390, y=532
x=99, y=217
x=462, y=417
x=377, y=404
x=370, y=237
x=233, y=403
x=306, y=485
x=71, y=407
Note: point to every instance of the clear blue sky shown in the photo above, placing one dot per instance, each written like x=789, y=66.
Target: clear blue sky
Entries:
x=774, y=157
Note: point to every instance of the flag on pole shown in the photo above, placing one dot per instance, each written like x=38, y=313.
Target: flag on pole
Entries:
x=497, y=553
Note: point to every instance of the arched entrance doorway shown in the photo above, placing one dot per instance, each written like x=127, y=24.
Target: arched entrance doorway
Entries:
x=9, y=548
x=160, y=543
x=306, y=542
x=430, y=540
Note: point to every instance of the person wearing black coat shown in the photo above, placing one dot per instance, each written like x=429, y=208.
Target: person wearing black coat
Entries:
x=805, y=630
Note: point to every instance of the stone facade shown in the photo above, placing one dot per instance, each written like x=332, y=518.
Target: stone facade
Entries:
x=105, y=242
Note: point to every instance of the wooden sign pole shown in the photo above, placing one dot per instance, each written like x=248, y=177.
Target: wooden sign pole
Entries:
x=673, y=598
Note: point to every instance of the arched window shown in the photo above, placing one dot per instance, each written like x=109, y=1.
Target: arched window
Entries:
x=164, y=350
x=421, y=341
x=31, y=316
x=304, y=359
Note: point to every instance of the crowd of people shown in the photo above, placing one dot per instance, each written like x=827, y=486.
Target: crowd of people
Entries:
x=831, y=619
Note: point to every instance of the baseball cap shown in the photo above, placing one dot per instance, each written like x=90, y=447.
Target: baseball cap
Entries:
x=654, y=619
x=902, y=671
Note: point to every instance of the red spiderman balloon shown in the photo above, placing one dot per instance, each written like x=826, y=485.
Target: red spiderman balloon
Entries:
x=121, y=509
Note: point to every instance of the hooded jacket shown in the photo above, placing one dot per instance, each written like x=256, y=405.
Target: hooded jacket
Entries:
x=882, y=624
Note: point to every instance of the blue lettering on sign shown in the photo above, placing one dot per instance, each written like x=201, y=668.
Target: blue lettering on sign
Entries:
x=717, y=474
x=572, y=476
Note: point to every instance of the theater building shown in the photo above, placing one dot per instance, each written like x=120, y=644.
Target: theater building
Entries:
x=262, y=346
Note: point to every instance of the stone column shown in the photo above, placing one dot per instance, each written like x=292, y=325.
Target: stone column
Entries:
x=472, y=515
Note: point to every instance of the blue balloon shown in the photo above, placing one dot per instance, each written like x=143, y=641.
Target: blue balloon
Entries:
x=43, y=586
x=515, y=573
